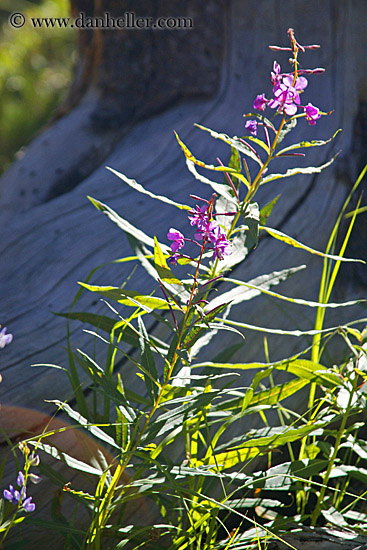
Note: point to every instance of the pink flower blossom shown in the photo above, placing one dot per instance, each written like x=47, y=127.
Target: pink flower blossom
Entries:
x=260, y=102
x=177, y=238
x=199, y=216
x=251, y=126
x=222, y=247
x=312, y=113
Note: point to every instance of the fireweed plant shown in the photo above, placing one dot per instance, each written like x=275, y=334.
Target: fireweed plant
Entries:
x=173, y=440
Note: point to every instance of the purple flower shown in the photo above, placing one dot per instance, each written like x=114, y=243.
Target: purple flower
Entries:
x=28, y=505
x=312, y=113
x=286, y=95
x=19, y=496
x=173, y=259
x=177, y=238
x=260, y=102
x=251, y=126
x=275, y=74
x=5, y=339
x=208, y=231
x=222, y=247
x=199, y=216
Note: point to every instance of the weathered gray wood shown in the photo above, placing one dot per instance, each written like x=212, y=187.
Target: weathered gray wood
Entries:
x=46, y=247
x=328, y=538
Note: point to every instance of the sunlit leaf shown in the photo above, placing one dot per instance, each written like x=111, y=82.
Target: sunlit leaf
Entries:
x=296, y=244
x=129, y=297
x=303, y=144
x=234, y=142
x=126, y=226
x=293, y=171
x=135, y=185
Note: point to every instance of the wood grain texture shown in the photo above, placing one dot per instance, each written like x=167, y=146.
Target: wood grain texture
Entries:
x=49, y=245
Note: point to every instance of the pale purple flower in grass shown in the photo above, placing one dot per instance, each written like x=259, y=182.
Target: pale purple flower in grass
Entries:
x=20, y=496
x=260, y=102
x=12, y=494
x=20, y=479
x=5, y=339
x=312, y=113
x=28, y=505
x=251, y=126
x=177, y=238
x=222, y=247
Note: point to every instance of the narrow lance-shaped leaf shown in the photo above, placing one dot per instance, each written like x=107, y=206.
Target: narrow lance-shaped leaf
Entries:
x=302, y=368
x=279, y=331
x=236, y=296
x=108, y=324
x=129, y=297
x=299, y=301
x=257, y=447
x=191, y=157
x=267, y=210
x=164, y=272
x=138, y=187
x=288, y=127
x=296, y=244
x=222, y=190
x=294, y=171
x=304, y=144
x=147, y=361
x=259, y=142
x=126, y=226
x=234, y=142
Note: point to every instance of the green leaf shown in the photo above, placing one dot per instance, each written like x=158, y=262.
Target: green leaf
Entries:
x=303, y=144
x=126, y=226
x=288, y=127
x=277, y=393
x=292, y=242
x=201, y=326
x=235, y=160
x=257, y=447
x=129, y=297
x=283, y=476
x=302, y=368
x=69, y=460
x=135, y=185
x=309, y=303
x=220, y=168
x=251, y=218
x=253, y=288
x=293, y=171
x=279, y=331
x=267, y=210
x=91, y=428
x=147, y=361
x=259, y=142
x=266, y=397
x=107, y=324
x=164, y=272
x=219, y=188
x=234, y=142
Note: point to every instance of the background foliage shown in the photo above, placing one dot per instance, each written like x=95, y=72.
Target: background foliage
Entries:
x=35, y=70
